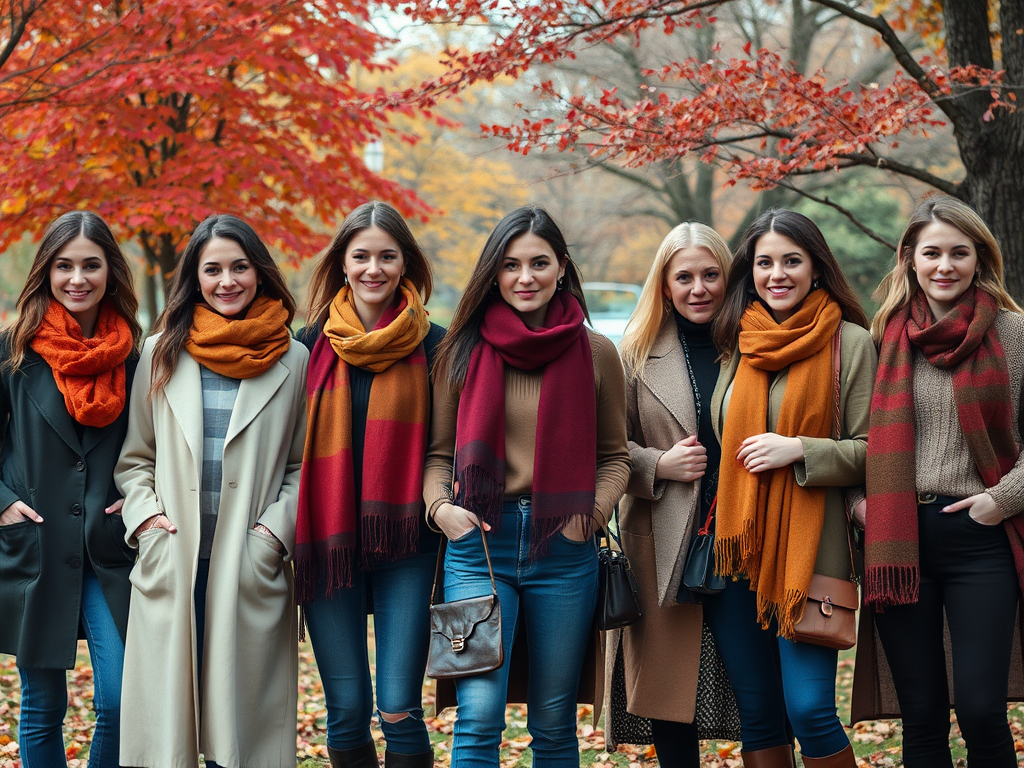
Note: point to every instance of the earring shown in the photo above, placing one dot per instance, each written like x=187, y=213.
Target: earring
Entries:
x=259, y=289
x=344, y=278
x=111, y=292
x=815, y=284
x=494, y=289
x=560, y=286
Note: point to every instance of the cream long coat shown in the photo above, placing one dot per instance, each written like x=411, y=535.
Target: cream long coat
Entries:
x=249, y=685
x=661, y=652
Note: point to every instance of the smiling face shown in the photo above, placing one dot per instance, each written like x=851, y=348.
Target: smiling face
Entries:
x=528, y=277
x=227, y=279
x=694, y=284
x=783, y=274
x=78, y=280
x=374, y=266
x=945, y=260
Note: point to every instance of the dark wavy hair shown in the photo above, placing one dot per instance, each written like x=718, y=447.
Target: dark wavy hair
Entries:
x=740, y=290
x=36, y=295
x=184, y=293
x=454, y=351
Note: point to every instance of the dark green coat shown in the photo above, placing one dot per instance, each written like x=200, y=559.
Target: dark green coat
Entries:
x=69, y=483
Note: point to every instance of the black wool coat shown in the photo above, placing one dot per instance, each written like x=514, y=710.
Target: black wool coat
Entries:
x=69, y=482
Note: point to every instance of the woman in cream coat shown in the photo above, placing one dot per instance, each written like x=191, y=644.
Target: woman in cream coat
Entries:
x=240, y=709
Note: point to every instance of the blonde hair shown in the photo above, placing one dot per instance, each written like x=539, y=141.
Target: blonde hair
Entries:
x=897, y=287
x=653, y=308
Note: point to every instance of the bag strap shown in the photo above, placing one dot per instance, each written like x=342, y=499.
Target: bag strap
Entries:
x=711, y=516
x=837, y=427
x=439, y=568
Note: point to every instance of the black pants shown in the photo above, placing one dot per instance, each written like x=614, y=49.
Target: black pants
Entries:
x=676, y=744
x=967, y=569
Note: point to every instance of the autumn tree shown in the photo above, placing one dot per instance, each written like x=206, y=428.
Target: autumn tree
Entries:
x=251, y=107
x=753, y=114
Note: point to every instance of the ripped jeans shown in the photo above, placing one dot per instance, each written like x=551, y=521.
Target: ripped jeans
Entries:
x=399, y=594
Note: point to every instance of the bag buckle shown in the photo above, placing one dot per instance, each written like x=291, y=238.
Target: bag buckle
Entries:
x=458, y=644
x=825, y=606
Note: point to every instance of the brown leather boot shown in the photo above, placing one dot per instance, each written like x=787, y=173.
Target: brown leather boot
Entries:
x=842, y=759
x=360, y=757
x=773, y=757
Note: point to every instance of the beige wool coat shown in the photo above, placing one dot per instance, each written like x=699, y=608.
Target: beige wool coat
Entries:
x=249, y=685
x=661, y=653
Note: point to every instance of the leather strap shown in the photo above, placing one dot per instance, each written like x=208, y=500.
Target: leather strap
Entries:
x=439, y=568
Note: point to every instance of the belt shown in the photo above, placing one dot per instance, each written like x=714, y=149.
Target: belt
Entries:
x=935, y=500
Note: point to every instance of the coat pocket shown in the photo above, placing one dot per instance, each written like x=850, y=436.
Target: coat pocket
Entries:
x=267, y=565
x=19, y=552
x=150, y=575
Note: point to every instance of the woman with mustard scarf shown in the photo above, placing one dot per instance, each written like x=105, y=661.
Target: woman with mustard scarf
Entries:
x=210, y=476
x=781, y=514
x=362, y=544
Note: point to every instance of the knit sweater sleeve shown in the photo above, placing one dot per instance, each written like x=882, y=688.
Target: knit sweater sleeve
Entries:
x=612, y=447
x=829, y=462
x=440, y=461
x=1008, y=493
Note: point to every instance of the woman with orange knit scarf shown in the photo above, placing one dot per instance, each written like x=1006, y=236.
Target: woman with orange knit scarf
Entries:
x=210, y=476
x=781, y=515
x=68, y=361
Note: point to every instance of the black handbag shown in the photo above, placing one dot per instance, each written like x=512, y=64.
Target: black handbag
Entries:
x=465, y=635
x=699, y=574
x=618, y=595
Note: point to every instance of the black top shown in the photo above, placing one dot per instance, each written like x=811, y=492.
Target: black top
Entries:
x=703, y=357
x=361, y=382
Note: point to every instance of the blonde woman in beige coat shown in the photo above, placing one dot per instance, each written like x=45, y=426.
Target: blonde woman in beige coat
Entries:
x=671, y=370
x=220, y=681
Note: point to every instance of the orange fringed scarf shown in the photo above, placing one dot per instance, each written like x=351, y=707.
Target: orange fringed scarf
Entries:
x=768, y=527
x=242, y=348
x=88, y=372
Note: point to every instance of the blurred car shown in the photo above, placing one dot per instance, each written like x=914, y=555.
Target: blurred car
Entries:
x=610, y=305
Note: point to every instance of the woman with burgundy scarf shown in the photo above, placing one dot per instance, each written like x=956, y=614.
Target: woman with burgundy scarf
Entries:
x=945, y=489
x=362, y=545
x=67, y=363
x=210, y=476
x=528, y=440
x=781, y=515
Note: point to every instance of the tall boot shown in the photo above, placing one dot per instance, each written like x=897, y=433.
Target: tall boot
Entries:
x=773, y=757
x=360, y=757
x=841, y=759
x=398, y=760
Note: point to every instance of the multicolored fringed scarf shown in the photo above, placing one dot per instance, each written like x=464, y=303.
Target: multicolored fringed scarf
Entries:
x=565, y=461
x=88, y=372
x=768, y=526
x=328, y=533
x=965, y=342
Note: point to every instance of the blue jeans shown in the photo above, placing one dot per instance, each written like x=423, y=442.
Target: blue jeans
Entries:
x=44, y=692
x=555, y=596
x=400, y=596
x=782, y=688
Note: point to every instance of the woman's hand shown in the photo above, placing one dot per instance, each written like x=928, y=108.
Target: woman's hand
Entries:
x=115, y=508
x=859, y=513
x=759, y=453
x=262, y=530
x=577, y=529
x=17, y=512
x=455, y=522
x=981, y=507
x=156, y=521
x=684, y=462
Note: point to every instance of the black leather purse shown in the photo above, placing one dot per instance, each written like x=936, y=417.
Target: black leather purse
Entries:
x=465, y=635
x=618, y=595
x=699, y=573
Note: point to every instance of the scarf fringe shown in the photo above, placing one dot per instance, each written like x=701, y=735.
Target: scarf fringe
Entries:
x=735, y=555
x=542, y=530
x=333, y=567
x=481, y=494
x=892, y=585
x=787, y=613
x=394, y=539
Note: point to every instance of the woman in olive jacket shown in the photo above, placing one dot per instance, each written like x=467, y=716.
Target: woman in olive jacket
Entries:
x=64, y=564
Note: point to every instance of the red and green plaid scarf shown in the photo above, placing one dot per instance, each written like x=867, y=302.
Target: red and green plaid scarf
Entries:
x=329, y=532
x=565, y=461
x=965, y=342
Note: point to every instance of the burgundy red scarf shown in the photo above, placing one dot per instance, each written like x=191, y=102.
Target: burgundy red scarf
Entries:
x=965, y=342
x=565, y=461
x=384, y=526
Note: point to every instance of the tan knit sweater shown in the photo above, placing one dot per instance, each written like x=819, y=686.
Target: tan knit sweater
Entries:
x=943, y=460
x=522, y=399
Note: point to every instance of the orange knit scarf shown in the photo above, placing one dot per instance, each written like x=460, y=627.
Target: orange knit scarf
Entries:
x=88, y=372
x=242, y=348
x=768, y=527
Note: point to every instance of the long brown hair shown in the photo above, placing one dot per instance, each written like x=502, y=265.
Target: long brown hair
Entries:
x=455, y=349
x=328, y=276
x=36, y=296
x=898, y=286
x=740, y=290
x=176, y=319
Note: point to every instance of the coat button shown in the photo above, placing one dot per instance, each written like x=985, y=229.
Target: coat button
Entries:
x=75, y=562
x=76, y=510
x=80, y=466
x=232, y=484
